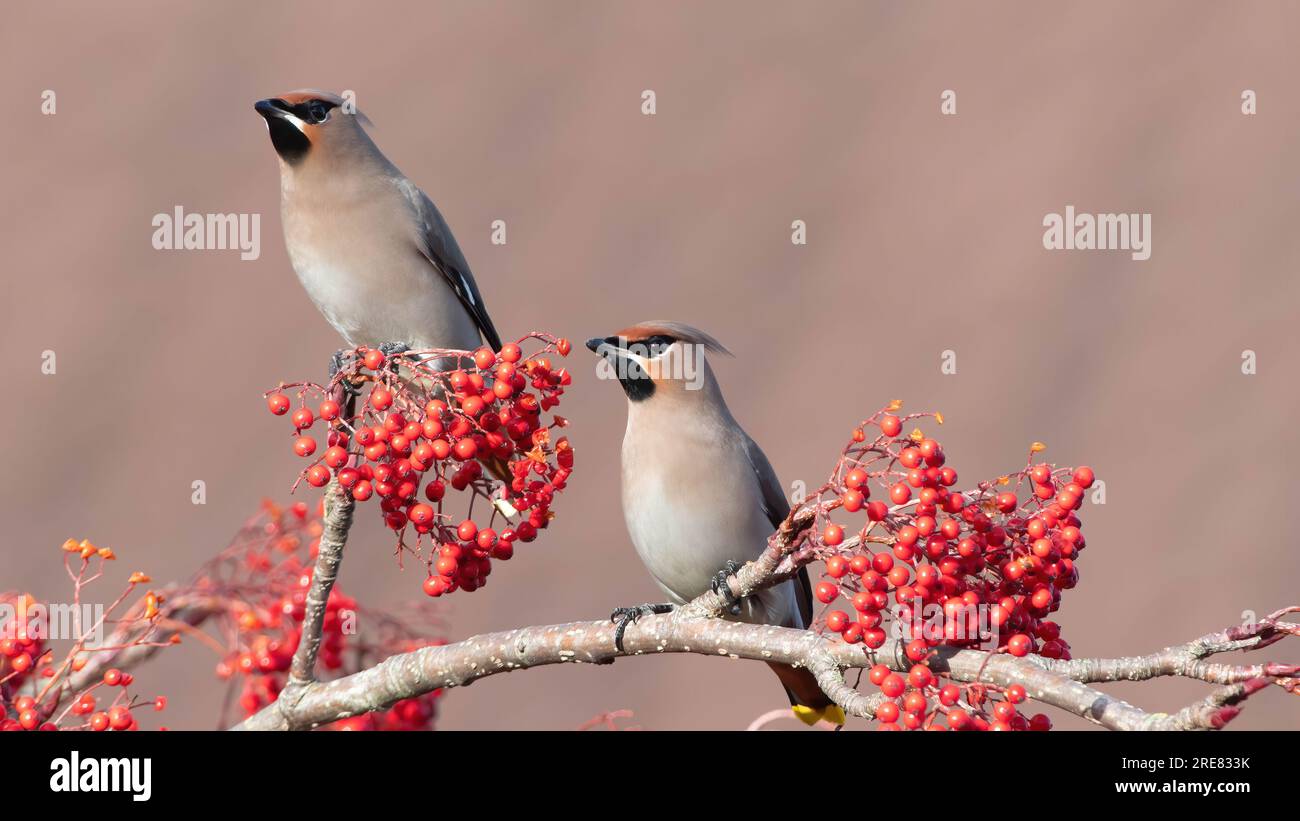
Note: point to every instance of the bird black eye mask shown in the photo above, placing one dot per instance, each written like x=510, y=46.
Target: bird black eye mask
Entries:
x=315, y=111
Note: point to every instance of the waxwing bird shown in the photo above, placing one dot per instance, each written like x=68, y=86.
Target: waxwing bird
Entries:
x=698, y=493
x=369, y=247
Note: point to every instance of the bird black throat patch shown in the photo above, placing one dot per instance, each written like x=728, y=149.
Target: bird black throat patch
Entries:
x=290, y=143
x=636, y=383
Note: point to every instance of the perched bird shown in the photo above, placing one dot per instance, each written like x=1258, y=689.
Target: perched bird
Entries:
x=371, y=249
x=698, y=494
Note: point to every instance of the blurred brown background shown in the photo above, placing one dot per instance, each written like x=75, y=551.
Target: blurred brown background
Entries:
x=924, y=235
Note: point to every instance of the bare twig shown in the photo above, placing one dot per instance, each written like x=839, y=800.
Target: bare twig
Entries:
x=126, y=647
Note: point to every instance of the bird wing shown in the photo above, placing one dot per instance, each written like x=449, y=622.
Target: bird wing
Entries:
x=438, y=246
x=776, y=508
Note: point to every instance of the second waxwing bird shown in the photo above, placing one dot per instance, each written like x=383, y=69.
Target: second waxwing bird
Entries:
x=370, y=247
x=698, y=494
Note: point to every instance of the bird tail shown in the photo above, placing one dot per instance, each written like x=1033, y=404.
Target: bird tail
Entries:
x=807, y=700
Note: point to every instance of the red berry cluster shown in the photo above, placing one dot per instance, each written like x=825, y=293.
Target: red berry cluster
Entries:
x=263, y=579
x=426, y=431
x=407, y=714
x=979, y=568
x=118, y=715
x=42, y=691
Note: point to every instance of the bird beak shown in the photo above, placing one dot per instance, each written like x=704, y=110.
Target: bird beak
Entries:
x=612, y=350
x=273, y=107
x=606, y=349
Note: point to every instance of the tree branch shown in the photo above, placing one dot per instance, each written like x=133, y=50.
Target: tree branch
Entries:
x=696, y=628
x=460, y=664
x=339, y=506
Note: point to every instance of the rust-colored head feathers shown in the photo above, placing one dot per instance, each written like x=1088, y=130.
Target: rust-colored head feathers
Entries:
x=679, y=331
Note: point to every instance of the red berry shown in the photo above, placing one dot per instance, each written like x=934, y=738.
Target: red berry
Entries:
x=302, y=418
x=278, y=403
x=833, y=535
x=435, y=585
x=826, y=592
x=920, y=676
x=900, y=493
x=958, y=719
x=466, y=449
x=381, y=398
x=915, y=702
x=890, y=425
x=893, y=685
x=836, y=621
x=484, y=358
x=917, y=649
x=119, y=718
x=373, y=359
x=304, y=446
x=1019, y=645
x=329, y=410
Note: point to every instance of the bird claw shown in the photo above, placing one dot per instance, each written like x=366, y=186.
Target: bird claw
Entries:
x=623, y=616
x=336, y=361
x=336, y=365
x=391, y=349
x=721, y=586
